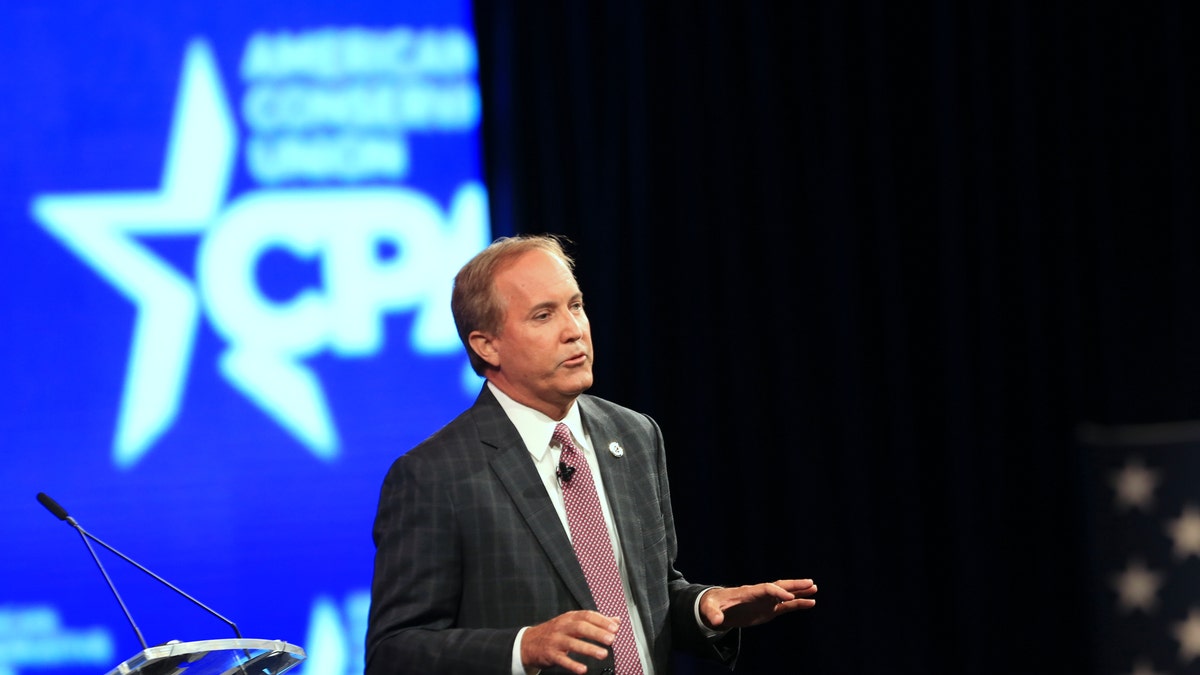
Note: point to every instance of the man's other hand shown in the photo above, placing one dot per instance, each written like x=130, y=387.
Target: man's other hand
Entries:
x=581, y=632
x=742, y=606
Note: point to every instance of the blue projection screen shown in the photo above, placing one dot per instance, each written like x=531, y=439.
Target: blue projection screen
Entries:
x=228, y=238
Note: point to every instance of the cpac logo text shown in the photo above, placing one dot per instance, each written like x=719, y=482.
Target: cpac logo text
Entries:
x=341, y=230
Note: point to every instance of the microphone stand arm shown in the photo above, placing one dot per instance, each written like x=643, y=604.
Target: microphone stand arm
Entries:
x=88, y=535
x=84, y=535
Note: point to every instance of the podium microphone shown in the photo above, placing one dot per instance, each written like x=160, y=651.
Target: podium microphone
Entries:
x=61, y=514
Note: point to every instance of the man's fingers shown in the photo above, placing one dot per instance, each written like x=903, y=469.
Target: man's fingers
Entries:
x=797, y=587
x=551, y=643
x=587, y=648
x=807, y=592
x=562, y=657
x=797, y=584
x=574, y=666
x=798, y=603
x=798, y=592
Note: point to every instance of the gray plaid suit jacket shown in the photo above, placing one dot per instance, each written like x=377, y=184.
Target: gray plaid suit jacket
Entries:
x=469, y=547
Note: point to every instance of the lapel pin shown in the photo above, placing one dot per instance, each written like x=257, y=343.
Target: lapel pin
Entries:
x=616, y=449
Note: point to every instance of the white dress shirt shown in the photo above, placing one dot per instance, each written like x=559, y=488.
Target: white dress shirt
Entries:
x=536, y=429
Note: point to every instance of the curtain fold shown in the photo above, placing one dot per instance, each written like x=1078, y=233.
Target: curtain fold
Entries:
x=869, y=265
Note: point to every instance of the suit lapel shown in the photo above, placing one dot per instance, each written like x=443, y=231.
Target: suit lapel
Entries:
x=623, y=497
x=516, y=471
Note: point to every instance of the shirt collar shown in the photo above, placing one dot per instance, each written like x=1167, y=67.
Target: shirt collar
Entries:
x=536, y=428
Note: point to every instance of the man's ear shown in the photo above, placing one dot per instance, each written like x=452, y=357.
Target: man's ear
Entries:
x=483, y=345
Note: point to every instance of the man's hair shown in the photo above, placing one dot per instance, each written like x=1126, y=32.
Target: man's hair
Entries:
x=475, y=303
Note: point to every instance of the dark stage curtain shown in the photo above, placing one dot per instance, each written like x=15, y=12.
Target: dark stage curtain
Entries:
x=870, y=265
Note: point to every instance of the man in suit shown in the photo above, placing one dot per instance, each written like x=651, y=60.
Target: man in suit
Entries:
x=486, y=559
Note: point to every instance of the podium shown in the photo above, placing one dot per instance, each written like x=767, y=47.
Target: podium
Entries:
x=235, y=656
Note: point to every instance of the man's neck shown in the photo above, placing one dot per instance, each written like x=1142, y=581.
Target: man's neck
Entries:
x=555, y=413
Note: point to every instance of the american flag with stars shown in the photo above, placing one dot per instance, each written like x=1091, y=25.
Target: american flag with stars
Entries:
x=1144, y=547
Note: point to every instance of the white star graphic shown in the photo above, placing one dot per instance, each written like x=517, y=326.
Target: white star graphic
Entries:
x=267, y=341
x=1134, y=485
x=1137, y=587
x=102, y=229
x=1185, y=532
x=1143, y=667
x=1187, y=632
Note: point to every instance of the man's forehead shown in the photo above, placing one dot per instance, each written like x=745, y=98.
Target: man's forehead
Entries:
x=537, y=273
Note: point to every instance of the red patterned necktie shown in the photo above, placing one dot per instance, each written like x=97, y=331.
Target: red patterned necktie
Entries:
x=593, y=547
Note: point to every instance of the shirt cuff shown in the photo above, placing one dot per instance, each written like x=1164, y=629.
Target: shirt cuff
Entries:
x=517, y=667
x=707, y=632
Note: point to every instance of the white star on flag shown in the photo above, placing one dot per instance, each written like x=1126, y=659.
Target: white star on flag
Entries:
x=1188, y=634
x=1135, y=484
x=1144, y=667
x=1185, y=532
x=1143, y=534
x=1137, y=587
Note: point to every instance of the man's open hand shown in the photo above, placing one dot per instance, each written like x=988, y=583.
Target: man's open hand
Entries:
x=725, y=608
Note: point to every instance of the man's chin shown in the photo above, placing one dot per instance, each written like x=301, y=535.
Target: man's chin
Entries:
x=579, y=386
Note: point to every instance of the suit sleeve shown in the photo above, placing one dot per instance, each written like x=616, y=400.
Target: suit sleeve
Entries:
x=417, y=587
x=685, y=632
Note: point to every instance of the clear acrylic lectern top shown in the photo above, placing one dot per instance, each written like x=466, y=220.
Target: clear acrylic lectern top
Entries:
x=238, y=656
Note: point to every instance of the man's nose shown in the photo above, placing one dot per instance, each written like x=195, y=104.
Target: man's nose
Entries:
x=572, y=328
